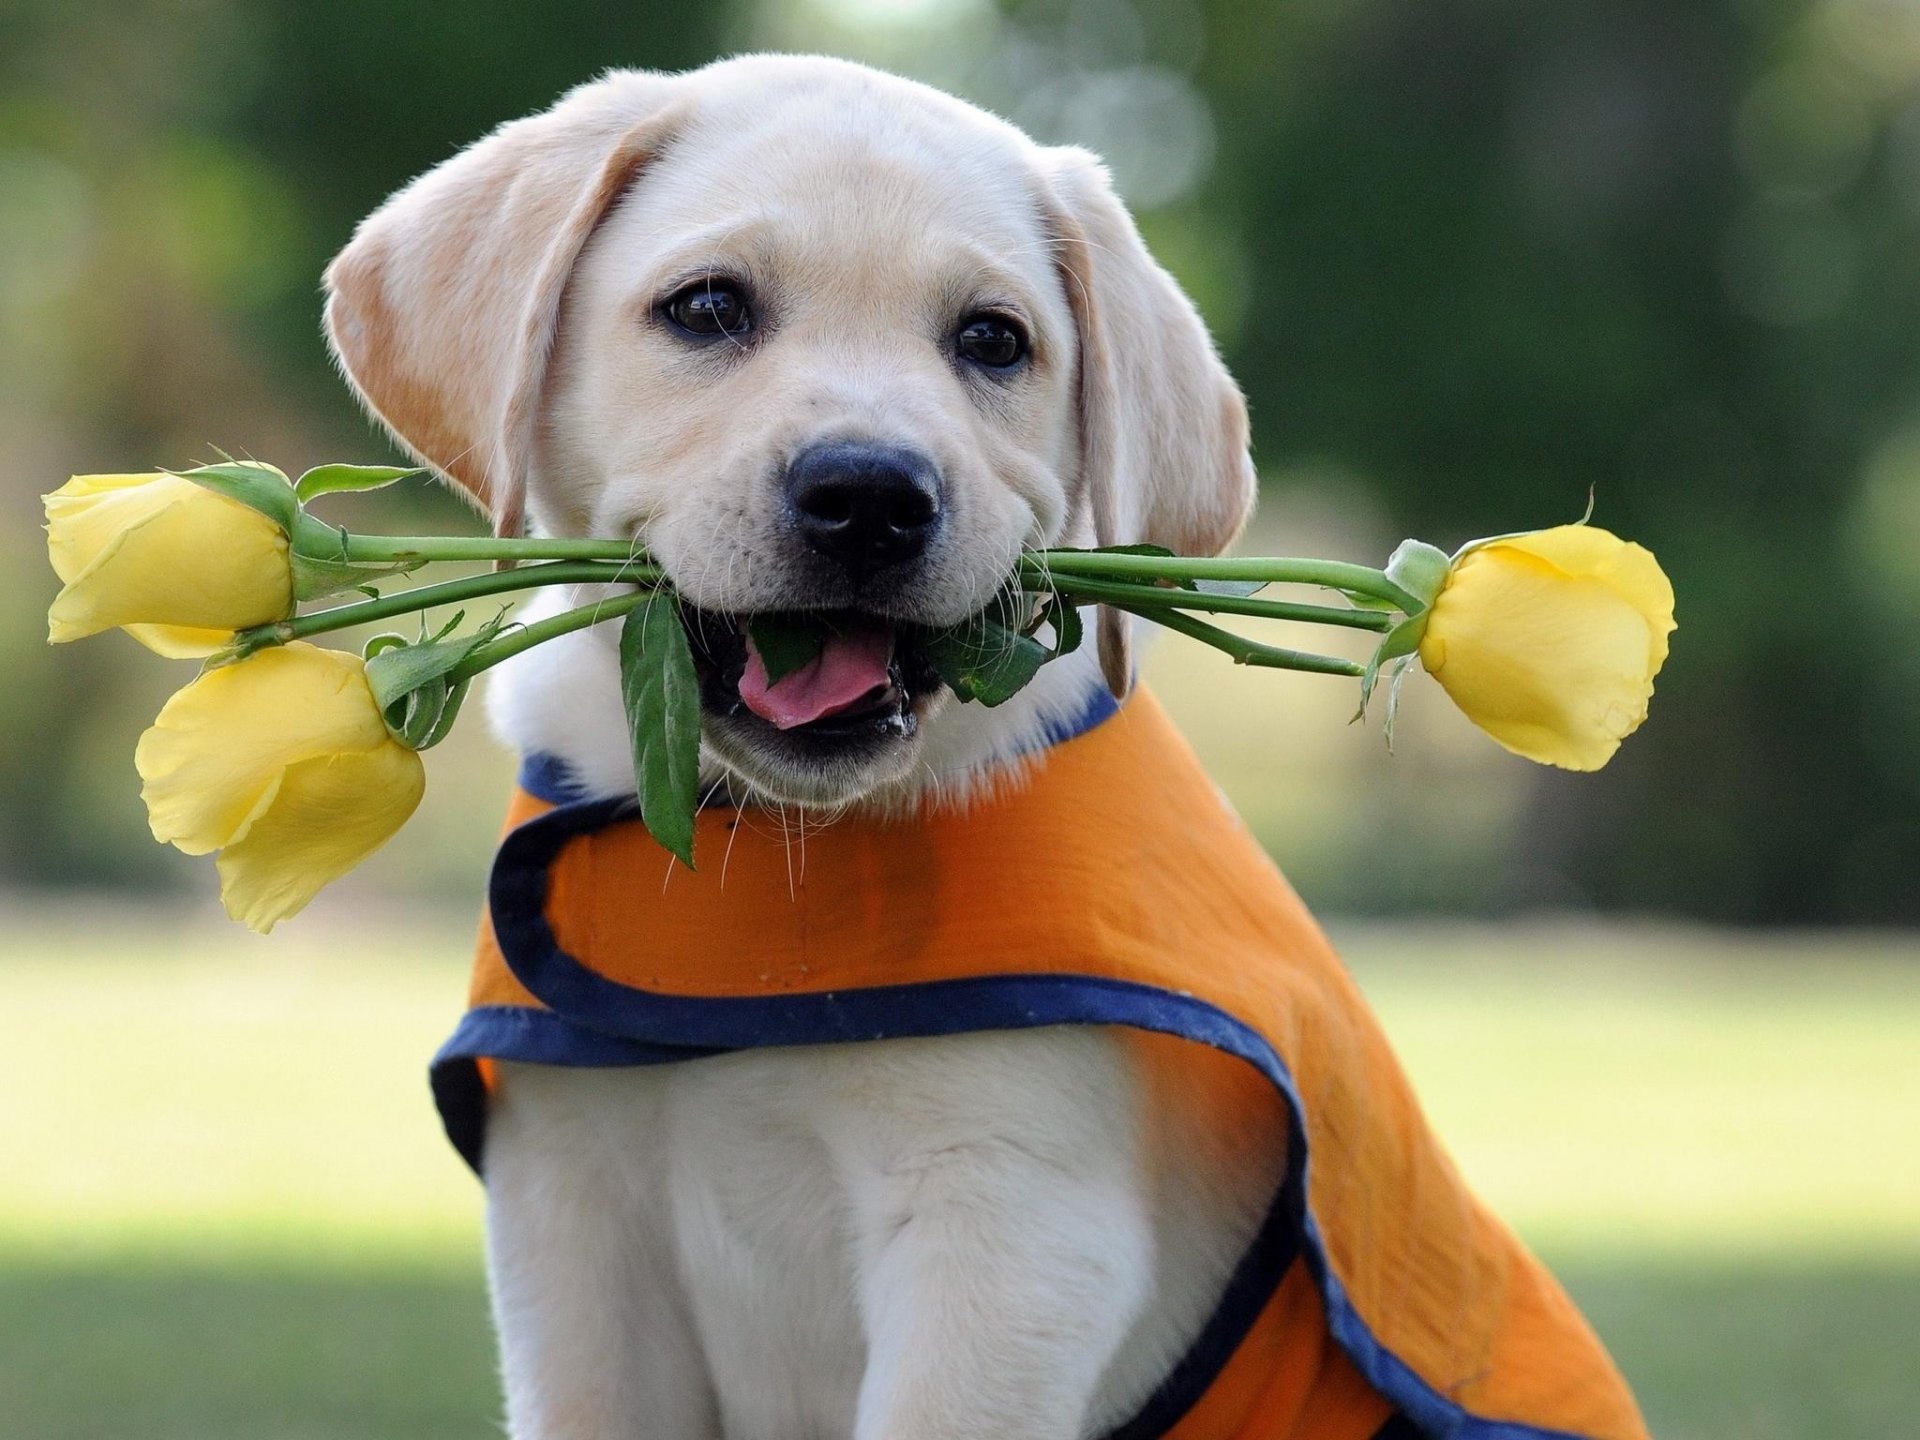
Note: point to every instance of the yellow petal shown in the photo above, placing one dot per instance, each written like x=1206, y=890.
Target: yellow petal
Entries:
x=85, y=514
x=1629, y=569
x=1550, y=642
x=179, y=642
x=329, y=814
x=159, y=549
x=219, y=744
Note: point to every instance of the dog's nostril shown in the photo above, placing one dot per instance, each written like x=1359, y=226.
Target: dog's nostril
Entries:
x=864, y=506
x=910, y=509
x=833, y=507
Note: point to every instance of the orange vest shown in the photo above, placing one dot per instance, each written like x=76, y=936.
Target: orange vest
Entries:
x=1113, y=887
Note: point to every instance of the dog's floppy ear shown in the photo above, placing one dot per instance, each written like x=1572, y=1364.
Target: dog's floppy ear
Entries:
x=441, y=309
x=1163, y=428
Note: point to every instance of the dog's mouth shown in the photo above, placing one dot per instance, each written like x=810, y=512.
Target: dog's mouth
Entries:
x=865, y=683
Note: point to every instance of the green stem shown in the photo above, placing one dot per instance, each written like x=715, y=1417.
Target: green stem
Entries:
x=454, y=592
x=1114, y=592
x=525, y=637
x=419, y=549
x=1333, y=574
x=1249, y=652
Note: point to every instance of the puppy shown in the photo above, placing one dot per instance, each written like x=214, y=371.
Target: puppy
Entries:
x=926, y=1108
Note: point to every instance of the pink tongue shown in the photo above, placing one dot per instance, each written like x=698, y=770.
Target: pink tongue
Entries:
x=849, y=672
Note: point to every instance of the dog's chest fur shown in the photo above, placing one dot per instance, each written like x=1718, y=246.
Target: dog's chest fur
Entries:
x=743, y=1212
x=726, y=1235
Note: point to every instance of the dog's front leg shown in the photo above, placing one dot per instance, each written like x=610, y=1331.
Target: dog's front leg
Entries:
x=595, y=1339
x=1005, y=1246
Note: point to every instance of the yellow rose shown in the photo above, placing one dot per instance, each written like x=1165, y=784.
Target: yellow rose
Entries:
x=281, y=763
x=179, y=566
x=1549, y=641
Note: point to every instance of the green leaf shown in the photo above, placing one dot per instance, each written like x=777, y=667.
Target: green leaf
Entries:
x=333, y=479
x=1064, y=616
x=786, y=643
x=256, y=485
x=983, y=659
x=662, y=694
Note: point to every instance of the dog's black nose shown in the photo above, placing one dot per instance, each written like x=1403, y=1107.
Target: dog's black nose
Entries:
x=864, y=506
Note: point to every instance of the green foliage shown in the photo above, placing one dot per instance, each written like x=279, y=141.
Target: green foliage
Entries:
x=786, y=643
x=990, y=657
x=1063, y=617
x=985, y=660
x=1496, y=257
x=1482, y=259
x=662, y=694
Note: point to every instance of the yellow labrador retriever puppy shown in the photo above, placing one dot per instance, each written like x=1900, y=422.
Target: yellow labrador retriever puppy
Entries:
x=826, y=340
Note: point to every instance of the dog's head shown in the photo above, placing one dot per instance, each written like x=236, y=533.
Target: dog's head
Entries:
x=820, y=339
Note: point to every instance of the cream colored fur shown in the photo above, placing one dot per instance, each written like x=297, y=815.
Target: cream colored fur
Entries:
x=945, y=1239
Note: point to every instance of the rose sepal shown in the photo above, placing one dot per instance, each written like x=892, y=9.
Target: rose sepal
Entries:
x=321, y=558
x=255, y=484
x=415, y=684
x=1420, y=569
x=1402, y=641
x=342, y=479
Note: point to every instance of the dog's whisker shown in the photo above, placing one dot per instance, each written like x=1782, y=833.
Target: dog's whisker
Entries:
x=733, y=835
x=786, y=839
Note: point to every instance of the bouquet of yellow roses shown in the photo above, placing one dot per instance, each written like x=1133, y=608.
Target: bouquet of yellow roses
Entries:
x=296, y=762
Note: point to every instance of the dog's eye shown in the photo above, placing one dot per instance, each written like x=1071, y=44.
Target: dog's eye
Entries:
x=710, y=308
x=991, y=340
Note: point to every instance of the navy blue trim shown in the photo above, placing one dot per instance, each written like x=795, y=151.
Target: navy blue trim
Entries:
x=541, y=1037
x=1100, y=708
x=545, y=776
x=1273, y=1252
x=460, y=1095
x=514, y=1032
x=599, y=1012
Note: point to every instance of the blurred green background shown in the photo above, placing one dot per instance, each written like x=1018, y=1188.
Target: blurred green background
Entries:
x=1470, y=260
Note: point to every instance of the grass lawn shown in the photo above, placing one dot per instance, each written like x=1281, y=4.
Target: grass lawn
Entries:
x=226, y=1212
